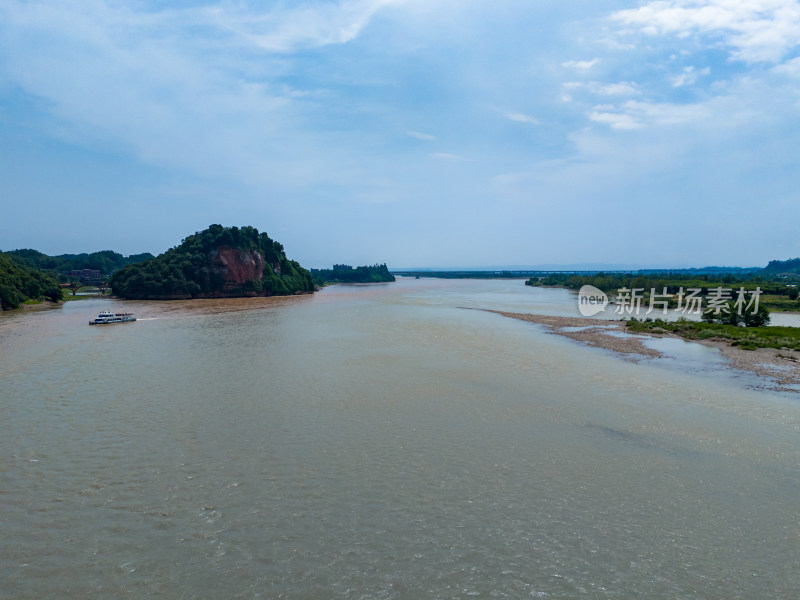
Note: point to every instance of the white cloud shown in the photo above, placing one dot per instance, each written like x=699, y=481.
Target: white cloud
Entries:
x=615, y=120
x=790, y=68
x=755, y=30
x=308, y=26
x=581, y=65
x=623, y=88
x=219, y=102
x=666, y=113
x=689, y=76
x=112, y=76
x=636, y=115
x=522, y=118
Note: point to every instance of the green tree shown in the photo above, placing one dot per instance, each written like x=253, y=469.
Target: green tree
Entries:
x=760, y=318
x=731, y=316
x=19, y=282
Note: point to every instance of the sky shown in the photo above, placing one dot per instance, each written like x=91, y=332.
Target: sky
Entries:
x=420, y=133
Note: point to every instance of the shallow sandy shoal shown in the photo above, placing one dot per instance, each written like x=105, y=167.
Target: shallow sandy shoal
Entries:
x=780, y=367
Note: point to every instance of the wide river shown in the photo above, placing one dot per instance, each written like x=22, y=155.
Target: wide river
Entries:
x=382, y=442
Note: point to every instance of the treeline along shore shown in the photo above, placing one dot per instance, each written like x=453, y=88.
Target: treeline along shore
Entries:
x=217, y=262
x=348, y=274
x=241, y=261
x=777, y=283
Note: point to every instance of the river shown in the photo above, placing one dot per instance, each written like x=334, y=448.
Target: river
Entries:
x=382, y=442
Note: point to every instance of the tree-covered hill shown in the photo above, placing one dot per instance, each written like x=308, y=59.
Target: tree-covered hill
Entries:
x=348, y=274
x=218, y=262
x=19, y=283
x=783, y=266
x=105, y=261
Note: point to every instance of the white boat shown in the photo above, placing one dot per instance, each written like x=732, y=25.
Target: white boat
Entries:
x=107, y=318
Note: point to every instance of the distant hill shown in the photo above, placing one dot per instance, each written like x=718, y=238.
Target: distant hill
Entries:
x=19, y=282
x=218, y=262
x=105, y=261
x=348, y=274
x=783, y=266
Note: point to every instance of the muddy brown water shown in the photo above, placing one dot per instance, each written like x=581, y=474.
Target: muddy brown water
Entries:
x=381, y=442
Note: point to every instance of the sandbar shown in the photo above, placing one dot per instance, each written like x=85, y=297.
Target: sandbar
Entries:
x=781, y=367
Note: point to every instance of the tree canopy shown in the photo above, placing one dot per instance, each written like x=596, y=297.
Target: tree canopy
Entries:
x=105, y=261
x=783, y=266
x=348, y=274
x=187, y=270
x=19, y=282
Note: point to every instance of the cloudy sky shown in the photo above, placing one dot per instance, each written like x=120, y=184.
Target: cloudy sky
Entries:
x=441, y=133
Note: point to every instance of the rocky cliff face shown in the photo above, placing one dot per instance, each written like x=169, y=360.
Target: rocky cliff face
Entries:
x=236, y=266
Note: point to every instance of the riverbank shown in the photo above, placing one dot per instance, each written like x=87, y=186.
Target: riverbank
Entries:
x=780, y=366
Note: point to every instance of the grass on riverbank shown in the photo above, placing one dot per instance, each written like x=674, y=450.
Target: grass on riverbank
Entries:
x=779, y=303
x=747, y=338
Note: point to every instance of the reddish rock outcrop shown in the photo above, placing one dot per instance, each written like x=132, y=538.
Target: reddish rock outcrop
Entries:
x=236, y=266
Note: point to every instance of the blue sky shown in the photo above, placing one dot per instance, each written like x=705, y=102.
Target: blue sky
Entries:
x=436, y=133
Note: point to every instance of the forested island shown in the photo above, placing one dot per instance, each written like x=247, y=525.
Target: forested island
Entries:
x=215, y=263
x=348, y=274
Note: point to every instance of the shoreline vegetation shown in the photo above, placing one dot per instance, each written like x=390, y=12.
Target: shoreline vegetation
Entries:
x=29, y=278
x=780, y=291
x=769, y=352
x=20, y=283
x=219, y=262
